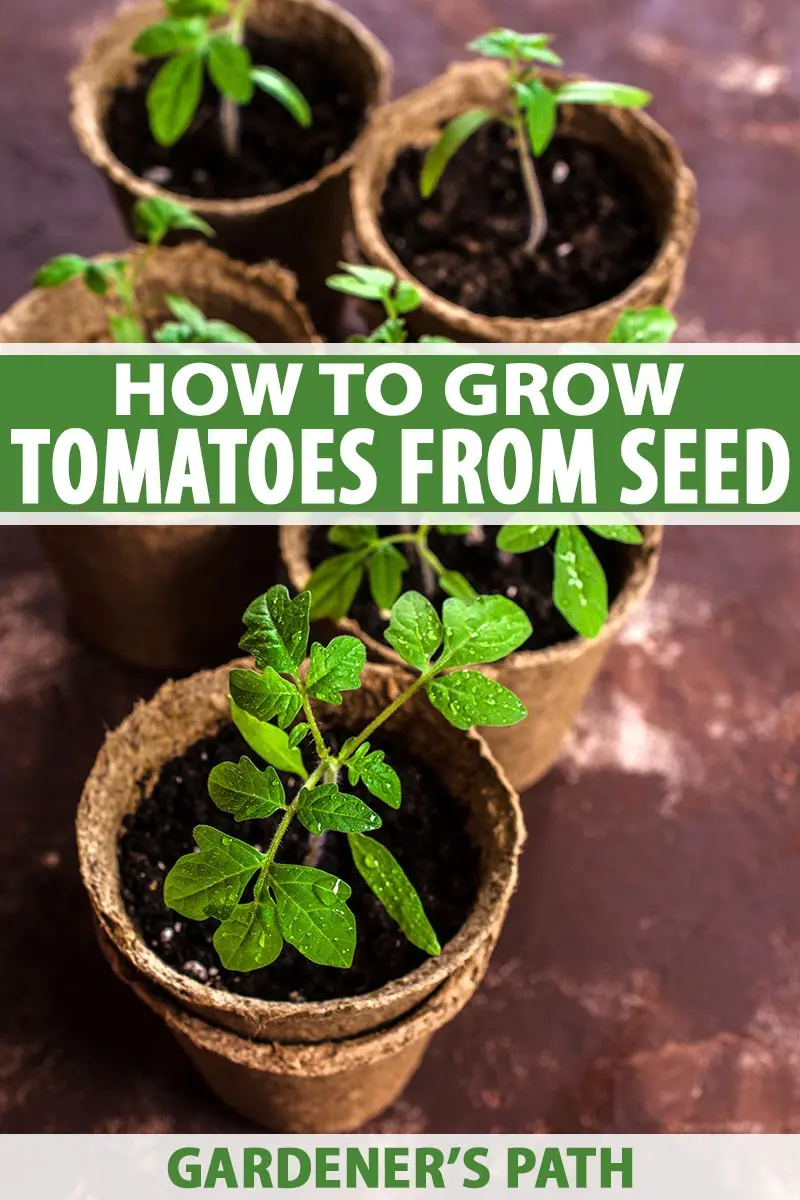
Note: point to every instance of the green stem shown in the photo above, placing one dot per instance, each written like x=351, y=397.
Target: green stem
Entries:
x=280, y=832
x=390, y=709
x=538, y=226
x=316, y=733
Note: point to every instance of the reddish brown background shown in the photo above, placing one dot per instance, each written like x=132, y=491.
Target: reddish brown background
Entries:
x=649, y=976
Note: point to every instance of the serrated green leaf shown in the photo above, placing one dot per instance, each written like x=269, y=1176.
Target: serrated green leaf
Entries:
x=155, y=216
x=170, y=36
x=453, y=136
x=455, y=529
x=414, y=629
x=334, y=583
x=453, y=583
x=541, y=113
x=596, y=91
x=229, y=66
x=313, y=914
x=335, y=668
x=244, y=791
x=268, y=742
x=250, y=938
x=277, y=629
x=352, y=537
x=386, y=566
x=210, y=883
x=267, y=696
x=651, y=326
x=284, y=91
x=482, y=631
x=298, y=733
x=174, y=96
x=370, y=768
x=126, y=329
x=60, y=270
x=326, y=808
x=505, y=43
x=619, y=533
x=580, y=591
x=388, y=881
x=469, y=698
x=519, y=539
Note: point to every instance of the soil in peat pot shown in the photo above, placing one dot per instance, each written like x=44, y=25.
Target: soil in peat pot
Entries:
x=527, y=579
x=465, y=242
x=427, y=834
x=276, y=153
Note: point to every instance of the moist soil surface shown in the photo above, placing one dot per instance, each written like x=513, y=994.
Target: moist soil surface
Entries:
x=527, y=579
x=465, y=242
x=276, y=152
x=427, y=835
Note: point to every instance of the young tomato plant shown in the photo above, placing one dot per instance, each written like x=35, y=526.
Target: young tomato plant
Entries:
x=530, y=111
x=208, y=35
x=644, y=326
x=273, y=707
x=117, y=280
x=398, y=297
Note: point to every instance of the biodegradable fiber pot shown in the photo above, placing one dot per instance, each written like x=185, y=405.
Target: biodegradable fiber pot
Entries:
x=551, y=683
x=182, y=713
x=633, y=138
x=165, y=596
x=302, y=226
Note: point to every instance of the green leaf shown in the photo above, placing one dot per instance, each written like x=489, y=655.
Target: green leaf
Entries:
x=518, y=539
x=285, y=92
x=334, y=584
x=170, y=37
x=221, y=331
x=352, y=537
x=174, y=96
x=456, y=584
x=386, y=567
x=154, y=217
x=541, y=113
x=313, y=914
x=388, y=881
x=505, y=43
x=454, y=134
x=455, y=529
x=277, y=629
x=250, y=938
x=183, y=310
x=619, y=533
x=126, y=329
x=406, y=297
x=595, y=91
x=244, y=791
x=414, y=629
x=268, y=742
x=60, y=270
x=468, y=698
x=325, y=807
x=298, y=733
x=378, y=777
x=580, y=591
x=266, y=696
x=364, y=289
x=97, y=279
x=644, y=326
x=210, y=883
x=482, y=631
x=229, y=66
x=197, y=8
x=335, y=668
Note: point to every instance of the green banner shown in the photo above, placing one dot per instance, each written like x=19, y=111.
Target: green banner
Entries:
x=338, y=430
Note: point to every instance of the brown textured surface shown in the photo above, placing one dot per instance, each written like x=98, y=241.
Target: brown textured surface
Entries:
x=649, y=975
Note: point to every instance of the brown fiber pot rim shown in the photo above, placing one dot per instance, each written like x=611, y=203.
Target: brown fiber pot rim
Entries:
x=417, y=125
x=91, y=89
x=294, y=543
x=267, y=290
x=112, y=786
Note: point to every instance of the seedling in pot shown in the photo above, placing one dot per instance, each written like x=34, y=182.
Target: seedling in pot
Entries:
x=531, y=112
x=273, y=707
x=644, y=326
x=397, y=296
x=208, y=35
x=117, y=281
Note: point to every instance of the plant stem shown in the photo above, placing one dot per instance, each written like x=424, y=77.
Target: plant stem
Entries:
x=229, y=109
x=538, y=226
x=390, y=709
x=316, y=733
x=280, y=832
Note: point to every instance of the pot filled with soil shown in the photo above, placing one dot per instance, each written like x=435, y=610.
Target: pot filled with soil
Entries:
x=161, y=596
x=250, y=116
x=577, y=586
x=232, y=890
x=515, y=245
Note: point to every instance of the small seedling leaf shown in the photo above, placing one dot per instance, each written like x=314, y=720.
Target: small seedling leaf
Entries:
x=370, y=767
x=406, y=297
x=650, y=326
x=454, y=529
x=596, y=91
x=277, y=629
x=298, y=733
x=456, y=584
x=313, y=914
x=230, y=68
x=386, y=568
x=505, y=43
x=250, y=938
x=268, y=742
x=155, y=216
x=414, y=629
x=518, y=539
x=173, y=97
x=580, y=591
x=335, y=668
x=482, y=631
x=197, y=8
x=285, y=92
x=619, y=533
x=469, y=698
x=210, y=883
x=126, y=329
x=60, y=270
x=325, y=807
x=334, y=584
x=541, y=113
x=388, y=881
x=352, y=537
x=454, y=134
x=170, y=37
x=244, y=791
x=265, y=695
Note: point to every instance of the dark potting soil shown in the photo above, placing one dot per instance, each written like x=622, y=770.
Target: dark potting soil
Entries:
x=427, y=835
x=527, y=579
x=276, y=152
x=465, y=242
